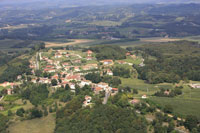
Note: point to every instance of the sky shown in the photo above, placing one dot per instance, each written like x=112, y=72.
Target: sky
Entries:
x=98, y=1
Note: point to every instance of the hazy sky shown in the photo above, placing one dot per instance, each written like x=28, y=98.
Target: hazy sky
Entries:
x=103, y=1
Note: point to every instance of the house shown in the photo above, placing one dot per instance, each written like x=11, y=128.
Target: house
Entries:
x=114, y=90
x=49, y=70
x=144, y=96
x=34, y=80
x=88, y=99
x=65, y=64
x=89, y=58
x=134, y=101
x=109, y=72
x=44, y=81
x=67, y=55
x=195, y=86
x=128, y=54
x=76, y=61
x=89, y=53
x=76, y=69
x=72, y=86
x=102, y=85
x=57, y=55
x=9, y=91
x=107, y=62
x=121, y=62
x=67, y=68
x=85, y=82
x=97, y=90
x=19, y=77
x=5, y=84
x=73, y=77
x=1, y=108
x=167, y=92
x=55, y=77
x=49, y=66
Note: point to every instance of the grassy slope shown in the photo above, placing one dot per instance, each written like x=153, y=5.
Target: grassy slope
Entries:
x=186, y=104
x=181, y=106
x=42, y=125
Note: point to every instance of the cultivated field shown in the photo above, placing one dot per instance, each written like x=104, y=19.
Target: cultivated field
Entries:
x=73, y=42
x=42, y=125
x=157, y=40
x=181, y=106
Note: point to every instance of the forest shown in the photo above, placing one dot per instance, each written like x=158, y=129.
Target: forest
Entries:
x=101, y=118
x=109, y=52
x=174, y=61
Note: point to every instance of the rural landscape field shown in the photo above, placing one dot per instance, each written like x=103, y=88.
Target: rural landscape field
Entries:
x=99, y=66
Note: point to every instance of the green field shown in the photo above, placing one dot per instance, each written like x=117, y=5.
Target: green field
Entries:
x=181, y=106
x=136, y=61
x=42, y=125
x=5, y=44
x=142, y=87
x=105, y=23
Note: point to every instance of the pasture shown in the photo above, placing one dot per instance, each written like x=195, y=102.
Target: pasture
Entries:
x=39, y=125
x=181, y=106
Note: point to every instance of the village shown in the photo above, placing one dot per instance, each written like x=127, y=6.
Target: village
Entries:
x=64, y=67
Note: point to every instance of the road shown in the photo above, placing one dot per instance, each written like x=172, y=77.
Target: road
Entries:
x=107, y=95
x=1, y=98
x=37, y=62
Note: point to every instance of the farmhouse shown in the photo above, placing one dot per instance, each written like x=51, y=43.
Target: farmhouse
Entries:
x=1, y=108
x=85, y=82
x=57, y=55
x=9, y=91
x=89, y=53
x=97, y=90
x=195, y=86
x=49, y=70
x=107, y=62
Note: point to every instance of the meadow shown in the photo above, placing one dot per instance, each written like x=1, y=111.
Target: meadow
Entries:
x=40, y=125
x=181, y=106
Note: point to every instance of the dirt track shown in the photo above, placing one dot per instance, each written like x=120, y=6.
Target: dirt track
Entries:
x=160, y=40
x=74, y=42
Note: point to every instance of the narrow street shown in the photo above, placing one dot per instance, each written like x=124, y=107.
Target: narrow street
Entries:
x=107, y=95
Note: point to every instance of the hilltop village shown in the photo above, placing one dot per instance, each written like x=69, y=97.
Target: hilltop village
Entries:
x=67, y=67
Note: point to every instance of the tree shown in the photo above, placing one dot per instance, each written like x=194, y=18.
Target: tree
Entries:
x=3, y=123
x=45, y=111
x=94, y=77
x=171, y=127
x=54, y=82
x=191, y=122
x=20, y=112
x=67, y=87
x=35, y=113
x=135, y=91
x=10, y=113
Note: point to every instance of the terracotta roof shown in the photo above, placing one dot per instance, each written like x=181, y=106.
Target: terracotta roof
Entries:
x=115, y=89
x=98, y=89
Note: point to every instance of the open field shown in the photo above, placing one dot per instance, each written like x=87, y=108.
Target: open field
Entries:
x=159, y=39
x=74, y=42
x=106, y=23
x=42, y=125
x=140, y=85
x=181, y=106
x=8, y=43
